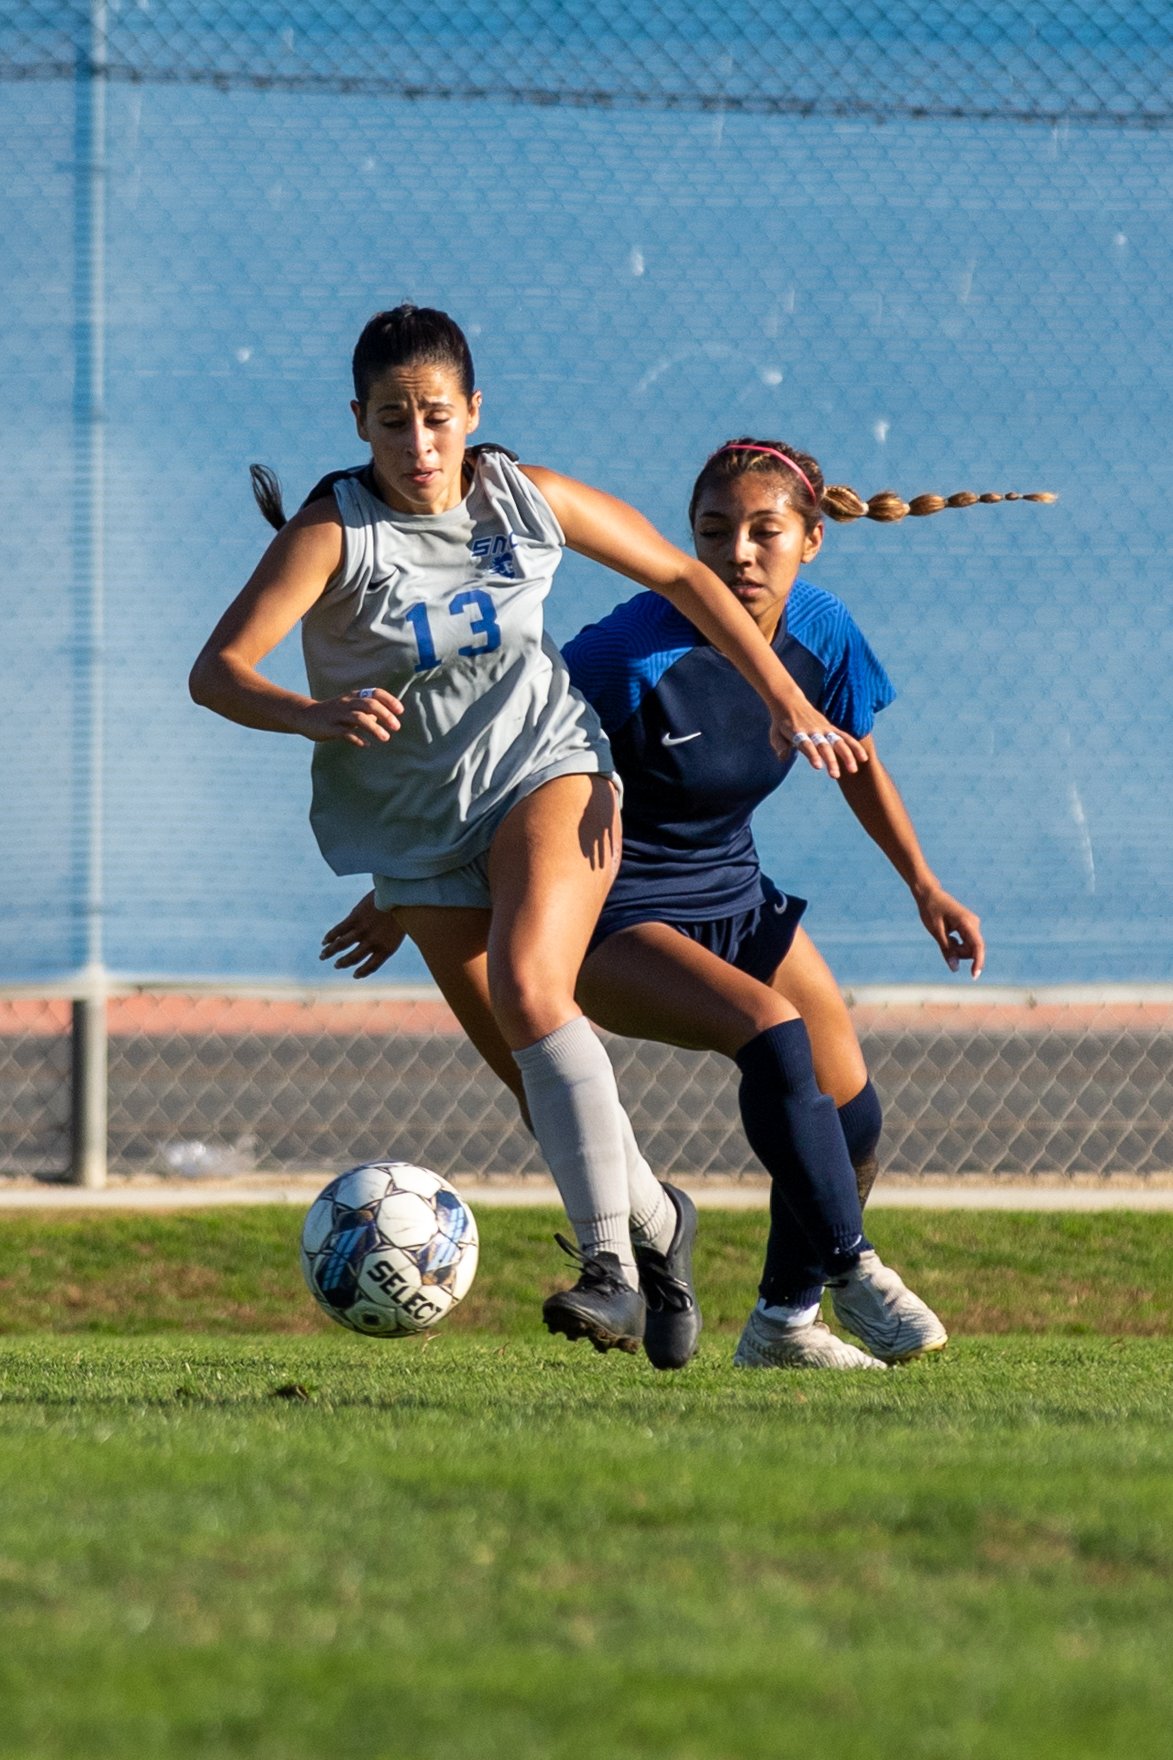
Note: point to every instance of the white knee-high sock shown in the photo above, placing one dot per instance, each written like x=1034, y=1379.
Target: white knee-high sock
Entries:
x=578, y=1121
x=653, y=1217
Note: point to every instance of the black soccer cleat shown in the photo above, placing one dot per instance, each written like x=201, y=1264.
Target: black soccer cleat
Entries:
x=674, y=1318
x=602, y=1306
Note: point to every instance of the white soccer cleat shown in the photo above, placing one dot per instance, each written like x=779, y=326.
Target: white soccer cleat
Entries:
x=769, y=1344
x=873, y=1302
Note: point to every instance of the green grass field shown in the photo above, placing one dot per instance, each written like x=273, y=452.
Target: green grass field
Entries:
x=229, y=1528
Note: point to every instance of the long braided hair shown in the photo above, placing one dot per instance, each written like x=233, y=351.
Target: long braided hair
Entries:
x=816, y=499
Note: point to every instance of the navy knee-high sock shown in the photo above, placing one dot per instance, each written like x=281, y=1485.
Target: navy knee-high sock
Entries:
x=795, y=1132
x=863, y=1120
x=792, y=1263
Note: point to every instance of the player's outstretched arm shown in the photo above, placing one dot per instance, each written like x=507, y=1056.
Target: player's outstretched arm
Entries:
x=875, y=800
x=614, y=534
x=290, y=577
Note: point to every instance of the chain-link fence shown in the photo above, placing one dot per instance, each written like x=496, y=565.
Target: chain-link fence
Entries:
x=1044, y=61
x=928, y=242
x=221, y=1085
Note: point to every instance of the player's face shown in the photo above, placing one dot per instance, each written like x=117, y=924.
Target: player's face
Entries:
x=416, y=422
x=747, y=532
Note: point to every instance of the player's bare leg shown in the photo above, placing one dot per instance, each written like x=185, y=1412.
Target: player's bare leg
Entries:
x=551, y=866
x=454, y=943
x=651, y=982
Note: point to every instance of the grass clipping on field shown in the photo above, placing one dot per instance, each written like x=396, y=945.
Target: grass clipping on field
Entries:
x=235, y=1271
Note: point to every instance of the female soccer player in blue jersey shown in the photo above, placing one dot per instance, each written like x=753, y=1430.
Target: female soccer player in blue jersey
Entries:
x=455, y=761
x=695, y=947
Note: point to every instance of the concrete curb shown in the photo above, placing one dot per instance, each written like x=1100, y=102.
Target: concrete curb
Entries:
x=300, y=1189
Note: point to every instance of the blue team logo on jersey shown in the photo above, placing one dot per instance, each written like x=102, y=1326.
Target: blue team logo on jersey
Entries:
x=497, y=554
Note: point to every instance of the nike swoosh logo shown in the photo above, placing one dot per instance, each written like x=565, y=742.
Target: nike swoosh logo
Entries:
x=679, y=739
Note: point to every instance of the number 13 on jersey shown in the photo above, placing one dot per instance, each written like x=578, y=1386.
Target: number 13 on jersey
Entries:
x=477, y=607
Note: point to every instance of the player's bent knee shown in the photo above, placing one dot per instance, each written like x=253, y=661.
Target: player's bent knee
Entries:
x=528, y=1006
x=774, y=1012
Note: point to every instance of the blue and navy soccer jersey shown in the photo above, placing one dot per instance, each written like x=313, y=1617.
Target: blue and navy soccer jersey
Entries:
x=692, y=740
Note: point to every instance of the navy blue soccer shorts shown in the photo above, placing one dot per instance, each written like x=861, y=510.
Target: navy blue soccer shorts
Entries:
x=755, y=941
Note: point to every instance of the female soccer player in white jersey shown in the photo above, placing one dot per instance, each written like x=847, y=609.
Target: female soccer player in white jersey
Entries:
x=695, y=946
x=456, y=763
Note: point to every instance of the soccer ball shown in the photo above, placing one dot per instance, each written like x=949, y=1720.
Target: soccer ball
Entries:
x=389, y=1249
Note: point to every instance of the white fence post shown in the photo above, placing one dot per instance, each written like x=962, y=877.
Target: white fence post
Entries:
x=87, y=1165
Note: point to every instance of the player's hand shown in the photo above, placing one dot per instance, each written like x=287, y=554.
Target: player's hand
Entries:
x=800, y=728
x=365, y=938
x=957, y=931
x=361, y=718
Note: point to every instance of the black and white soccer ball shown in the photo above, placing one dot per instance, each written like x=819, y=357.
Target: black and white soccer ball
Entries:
x=389, y=1249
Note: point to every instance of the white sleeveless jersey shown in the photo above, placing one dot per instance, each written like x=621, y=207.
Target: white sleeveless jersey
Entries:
x=444, y=611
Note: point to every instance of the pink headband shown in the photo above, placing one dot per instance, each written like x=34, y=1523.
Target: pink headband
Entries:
x=737, y=446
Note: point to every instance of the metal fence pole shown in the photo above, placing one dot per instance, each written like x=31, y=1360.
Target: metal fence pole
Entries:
x=88, y=1159
x=88, y=1113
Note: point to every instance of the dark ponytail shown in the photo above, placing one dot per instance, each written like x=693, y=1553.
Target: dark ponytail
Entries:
x=267, y=494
